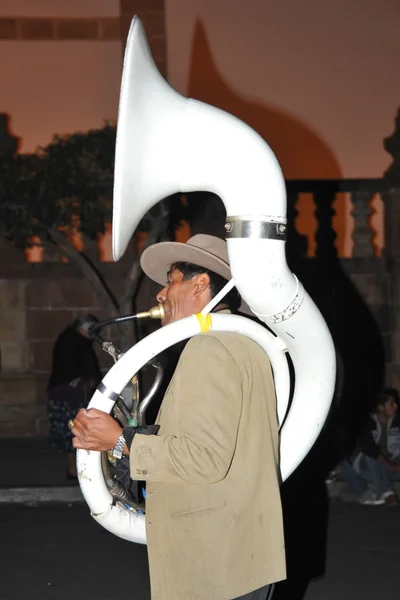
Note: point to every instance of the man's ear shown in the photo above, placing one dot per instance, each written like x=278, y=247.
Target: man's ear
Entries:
x=202, y=283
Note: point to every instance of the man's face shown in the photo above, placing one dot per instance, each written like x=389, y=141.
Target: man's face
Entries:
x=388, y=409
x=182, y=298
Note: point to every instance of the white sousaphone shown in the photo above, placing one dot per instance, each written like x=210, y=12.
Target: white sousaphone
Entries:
x=166, y=144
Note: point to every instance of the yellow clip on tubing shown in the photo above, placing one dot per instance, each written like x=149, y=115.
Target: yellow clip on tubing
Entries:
x=205, y=321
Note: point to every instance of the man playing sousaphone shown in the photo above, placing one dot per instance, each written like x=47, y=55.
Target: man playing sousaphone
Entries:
x=213, y=511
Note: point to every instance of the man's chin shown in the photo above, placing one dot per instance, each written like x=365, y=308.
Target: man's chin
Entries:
x=168, y=319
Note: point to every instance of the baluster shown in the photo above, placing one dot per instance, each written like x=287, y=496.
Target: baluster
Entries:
x=296, y=248
x=362, y=234
x=391, y=200
x=391, y=254
x=325, y=235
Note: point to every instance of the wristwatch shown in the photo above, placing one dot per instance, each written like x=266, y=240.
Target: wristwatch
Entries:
x=118, y=449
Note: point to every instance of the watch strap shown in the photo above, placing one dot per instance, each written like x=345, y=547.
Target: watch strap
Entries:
x=118, y=449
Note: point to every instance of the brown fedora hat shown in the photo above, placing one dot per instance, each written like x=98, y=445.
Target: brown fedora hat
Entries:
x=204, y=250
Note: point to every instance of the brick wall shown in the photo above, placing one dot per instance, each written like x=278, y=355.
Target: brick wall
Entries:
x=372, y=281
x=37, y=301
x=41, y=28
x=151, y=12
x=40, y=300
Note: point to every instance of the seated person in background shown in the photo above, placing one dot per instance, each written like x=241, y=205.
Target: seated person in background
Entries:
x=378, y=461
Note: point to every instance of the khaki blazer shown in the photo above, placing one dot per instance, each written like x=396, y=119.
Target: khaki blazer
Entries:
x=213, y=510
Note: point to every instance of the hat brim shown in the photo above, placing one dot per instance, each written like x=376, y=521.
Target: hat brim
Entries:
x=157, y=259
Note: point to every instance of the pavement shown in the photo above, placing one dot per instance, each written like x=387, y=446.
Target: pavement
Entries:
x=52, y=550
x=57, y=552
x=31, y=472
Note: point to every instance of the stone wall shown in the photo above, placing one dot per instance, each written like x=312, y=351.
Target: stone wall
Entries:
x=372, y=282
x=47, y=28
x=96, y=28
x=41, y=299
x=37, y=301
x=33, y=313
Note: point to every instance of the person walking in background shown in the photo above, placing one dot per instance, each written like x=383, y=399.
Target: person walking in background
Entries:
x=74, y=376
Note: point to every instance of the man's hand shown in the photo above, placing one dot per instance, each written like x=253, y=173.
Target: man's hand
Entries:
x=95, y=430
x=393, y=467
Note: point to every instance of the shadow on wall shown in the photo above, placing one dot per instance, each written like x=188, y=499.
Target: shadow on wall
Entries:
x=301, y=152
x=304, y=155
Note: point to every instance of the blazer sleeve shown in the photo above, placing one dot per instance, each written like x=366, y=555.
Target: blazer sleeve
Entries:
x=209, y=397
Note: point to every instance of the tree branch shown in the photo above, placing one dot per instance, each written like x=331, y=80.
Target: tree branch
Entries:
x=87, y=268
x=135, y=272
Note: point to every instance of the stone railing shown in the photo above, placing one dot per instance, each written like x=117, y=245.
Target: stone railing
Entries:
x=351, y=274
x=345, y=208
x=345, y=218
